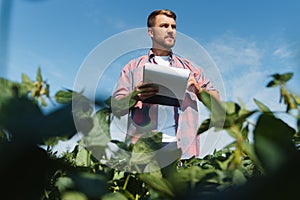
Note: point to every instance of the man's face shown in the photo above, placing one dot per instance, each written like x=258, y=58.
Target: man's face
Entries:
x=163, y=34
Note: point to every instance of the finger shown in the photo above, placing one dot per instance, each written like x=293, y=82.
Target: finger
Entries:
x=148, y=90
x=144, y=96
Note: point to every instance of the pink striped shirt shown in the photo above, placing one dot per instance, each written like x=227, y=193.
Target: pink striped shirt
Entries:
x=188, y=121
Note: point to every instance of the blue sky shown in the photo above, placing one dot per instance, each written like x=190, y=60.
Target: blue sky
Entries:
x=244, y=38
x=247, y=40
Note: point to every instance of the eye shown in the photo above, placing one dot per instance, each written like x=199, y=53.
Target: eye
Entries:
x=164, y=25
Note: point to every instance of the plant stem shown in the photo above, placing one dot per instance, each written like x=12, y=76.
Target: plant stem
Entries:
x=126, y=182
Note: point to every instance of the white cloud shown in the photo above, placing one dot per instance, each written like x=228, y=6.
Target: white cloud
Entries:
x=283, y=52
x=234, y=53
x=246, y=66
x=240, y=63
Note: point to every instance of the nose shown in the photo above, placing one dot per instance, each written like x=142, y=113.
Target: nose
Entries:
x=170, y=30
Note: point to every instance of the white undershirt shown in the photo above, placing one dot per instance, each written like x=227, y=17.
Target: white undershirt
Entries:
x=165, y=121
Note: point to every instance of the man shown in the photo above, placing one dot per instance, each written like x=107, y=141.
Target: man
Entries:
x=179, y=125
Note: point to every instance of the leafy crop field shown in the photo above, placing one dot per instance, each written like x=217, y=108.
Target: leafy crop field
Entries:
x=266, y=168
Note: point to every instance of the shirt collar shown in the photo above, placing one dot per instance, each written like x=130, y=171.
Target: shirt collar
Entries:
x=151, y=56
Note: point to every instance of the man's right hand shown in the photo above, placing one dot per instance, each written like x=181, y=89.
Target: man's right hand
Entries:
x=146, y=90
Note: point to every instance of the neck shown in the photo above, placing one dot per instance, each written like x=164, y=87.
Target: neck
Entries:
x=161, y=52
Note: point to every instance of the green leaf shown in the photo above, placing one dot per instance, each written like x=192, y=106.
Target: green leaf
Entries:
x=74, y=196
x=205, y=125
x=52, y=141
x=243, y=115
x=82, y=107
x=242, y=105
x=283, y=77
x=235, y=116
x=121, y=106
x=245, y=131
x=26, y=79
x=114, y=196
x=103, y=116
x=39, y=77
x=63, y=96
x=8, y=89
x=231, y=107
x=118, y=175
x=206, y=100
x=279, y=79
x=218, y=112
x=163, y=186
x=93, y=185
x=273, y=83
x=27, y=84
x=238, y=178
x=97, y=133
x=64, y=183
x=153, y=168
x=194, y=174
x=83, y=158
x=262, y=107
x=273, y=141
x=145, y=148
x=22, y=119
x=296, y=99
x=58, y=123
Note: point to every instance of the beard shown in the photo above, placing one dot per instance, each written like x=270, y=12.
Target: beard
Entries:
x=166, y=43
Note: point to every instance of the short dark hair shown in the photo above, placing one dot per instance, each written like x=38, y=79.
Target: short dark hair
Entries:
x=152, y=16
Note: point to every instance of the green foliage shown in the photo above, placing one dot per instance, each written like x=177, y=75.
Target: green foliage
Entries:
x=280, y=79
x=39, y=89
x=273, y=141
x=31, y=171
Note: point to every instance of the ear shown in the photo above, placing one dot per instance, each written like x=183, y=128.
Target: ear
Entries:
x=150, y=32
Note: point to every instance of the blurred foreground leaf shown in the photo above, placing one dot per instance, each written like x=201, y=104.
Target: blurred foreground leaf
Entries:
x=280, y=79
x=273, y=141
